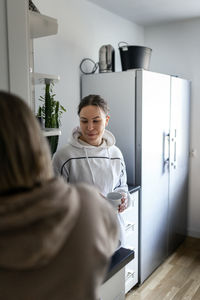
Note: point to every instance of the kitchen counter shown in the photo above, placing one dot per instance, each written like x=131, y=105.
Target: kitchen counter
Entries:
x=119, y=259
x=113, y=286
x=133, y=188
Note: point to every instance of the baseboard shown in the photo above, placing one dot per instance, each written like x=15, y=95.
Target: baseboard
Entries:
x=193, y=233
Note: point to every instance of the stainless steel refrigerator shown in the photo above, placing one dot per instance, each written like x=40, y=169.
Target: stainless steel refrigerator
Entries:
x=149, y=116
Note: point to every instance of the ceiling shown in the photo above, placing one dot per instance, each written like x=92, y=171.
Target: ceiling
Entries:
x=149, y=12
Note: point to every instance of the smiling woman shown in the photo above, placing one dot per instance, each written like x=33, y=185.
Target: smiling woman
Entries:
x=91, y=155
x=91, y=150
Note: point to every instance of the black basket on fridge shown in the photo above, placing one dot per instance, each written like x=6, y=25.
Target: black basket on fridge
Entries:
x=134, y=57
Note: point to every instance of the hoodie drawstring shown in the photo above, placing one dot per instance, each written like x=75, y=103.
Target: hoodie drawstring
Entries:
x=93, y=180
x=111, y=167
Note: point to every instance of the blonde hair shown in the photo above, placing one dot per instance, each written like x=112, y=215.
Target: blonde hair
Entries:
x=25, y=158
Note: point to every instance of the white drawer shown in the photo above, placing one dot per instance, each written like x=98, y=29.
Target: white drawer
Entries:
x=131, y=274
x=134, y=200
x=131, y=242
x=129, y=216
x=130, y=227
x=131, y=278
x=131, y=232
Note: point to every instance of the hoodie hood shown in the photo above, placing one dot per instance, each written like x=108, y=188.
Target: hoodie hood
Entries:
x=108, y=137
x=34, y=225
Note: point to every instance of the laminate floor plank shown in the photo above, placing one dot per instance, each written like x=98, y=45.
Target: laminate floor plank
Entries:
x=178, y=278
x=196, y=295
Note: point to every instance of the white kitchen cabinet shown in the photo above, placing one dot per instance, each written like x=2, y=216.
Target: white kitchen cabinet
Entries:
x=113, y=289
x=130, y=217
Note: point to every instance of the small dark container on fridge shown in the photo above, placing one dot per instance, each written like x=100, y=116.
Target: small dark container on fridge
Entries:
x=134, y=57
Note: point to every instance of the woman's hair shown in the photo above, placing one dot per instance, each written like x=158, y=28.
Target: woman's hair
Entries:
x=25, y=158
x=95, y=100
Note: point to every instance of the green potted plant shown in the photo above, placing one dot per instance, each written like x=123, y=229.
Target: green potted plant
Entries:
x=50, y=111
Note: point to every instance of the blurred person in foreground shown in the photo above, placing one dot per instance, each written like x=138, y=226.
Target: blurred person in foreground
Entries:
x=55, y=240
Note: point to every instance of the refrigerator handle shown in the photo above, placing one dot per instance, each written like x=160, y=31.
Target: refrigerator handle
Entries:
x=166, y=138
x=174, y=140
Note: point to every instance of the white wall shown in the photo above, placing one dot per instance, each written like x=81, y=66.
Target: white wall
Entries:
x=176, y=50
x=83, y=29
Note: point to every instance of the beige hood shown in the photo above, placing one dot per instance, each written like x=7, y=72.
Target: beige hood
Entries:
x=34, y=224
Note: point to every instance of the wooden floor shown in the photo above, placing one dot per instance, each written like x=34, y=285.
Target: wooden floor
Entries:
x=178, y=278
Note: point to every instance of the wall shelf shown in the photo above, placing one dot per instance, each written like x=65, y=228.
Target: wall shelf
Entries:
x=41, y=25
x=40, y=78
x=51, y=131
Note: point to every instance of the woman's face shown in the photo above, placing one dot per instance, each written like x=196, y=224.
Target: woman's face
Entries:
x=92, y=123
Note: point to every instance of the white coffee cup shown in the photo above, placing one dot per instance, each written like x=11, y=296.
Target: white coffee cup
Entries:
x=114, y=198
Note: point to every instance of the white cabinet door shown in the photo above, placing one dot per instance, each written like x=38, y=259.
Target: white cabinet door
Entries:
x=179, y=161
x=153, y=107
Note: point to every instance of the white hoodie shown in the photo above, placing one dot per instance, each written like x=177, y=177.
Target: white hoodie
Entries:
x=102, y=166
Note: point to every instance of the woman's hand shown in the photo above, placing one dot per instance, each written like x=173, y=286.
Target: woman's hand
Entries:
x=124, y=202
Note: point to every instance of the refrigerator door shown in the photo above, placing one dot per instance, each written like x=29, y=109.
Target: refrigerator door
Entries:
x=152, y=155
x=179, y=161
x=118, y=89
